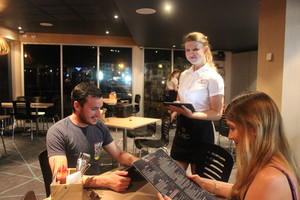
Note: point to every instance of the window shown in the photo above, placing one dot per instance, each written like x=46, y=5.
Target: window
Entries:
x=157, y=68
x=116, y=71
x=42, y=71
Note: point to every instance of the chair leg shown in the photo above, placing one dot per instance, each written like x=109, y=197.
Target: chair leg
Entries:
x=13, y=129
x=31, y=127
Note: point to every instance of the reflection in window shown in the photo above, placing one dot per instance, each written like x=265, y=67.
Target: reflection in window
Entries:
x=41, y=71
x=79, y=65
x=116, y=71
x=5, y=80
x=157, y=68
x=180, y=61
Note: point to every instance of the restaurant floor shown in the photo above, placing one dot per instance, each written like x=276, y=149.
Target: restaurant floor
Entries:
x=20, y=170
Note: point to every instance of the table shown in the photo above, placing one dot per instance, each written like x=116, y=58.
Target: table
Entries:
x=3, y=126
x=110, y=101
x=37, y=106
x=128, y=123
x=139, y=190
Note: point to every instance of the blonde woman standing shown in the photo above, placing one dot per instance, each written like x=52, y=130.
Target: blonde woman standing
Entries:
x=203, y=87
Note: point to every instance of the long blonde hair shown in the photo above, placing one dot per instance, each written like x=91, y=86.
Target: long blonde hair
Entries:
x=256, y=110
x=200, y=37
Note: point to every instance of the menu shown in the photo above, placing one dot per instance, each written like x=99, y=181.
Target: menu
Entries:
x=169, y=178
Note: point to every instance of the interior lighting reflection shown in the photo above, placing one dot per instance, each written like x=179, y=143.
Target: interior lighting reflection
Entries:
x=100, y=75
x=160, y=65
x=121, y=66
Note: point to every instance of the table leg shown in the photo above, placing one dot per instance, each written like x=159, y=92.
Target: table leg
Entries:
x=36, y=121
x=125, y=139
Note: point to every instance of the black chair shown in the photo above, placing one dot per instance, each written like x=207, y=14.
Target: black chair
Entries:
x=214, y=162
x=223, y=130
x=22, y=111
x=136, y=105
x=46, y=170
x=159, y=143
x=50, y=113
x=145, y=131
x=30, y=195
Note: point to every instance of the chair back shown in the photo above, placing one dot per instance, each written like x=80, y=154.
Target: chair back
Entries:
x=22, y=110
x=30, y=195
x=165, y=129
x=214, y=162
x=46, y=170
x=137, y=100
x=223, y=126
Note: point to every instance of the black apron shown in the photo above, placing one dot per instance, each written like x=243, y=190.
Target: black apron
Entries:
x=190, y=133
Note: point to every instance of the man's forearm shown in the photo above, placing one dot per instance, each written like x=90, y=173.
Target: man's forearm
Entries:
x=126, y=159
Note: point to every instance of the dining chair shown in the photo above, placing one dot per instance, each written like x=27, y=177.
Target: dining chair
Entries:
x=162, y=142
x=223, y=130
x=22, y=111
x=30, y=195
x=214, y=162
x=145, y=131
x=46, y=170
x=136, y=105
x=51, y=113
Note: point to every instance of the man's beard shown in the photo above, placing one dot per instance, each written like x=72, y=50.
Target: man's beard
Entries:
x=84, y=120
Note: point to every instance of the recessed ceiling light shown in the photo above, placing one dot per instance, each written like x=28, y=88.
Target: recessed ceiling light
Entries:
x=116, y=16
x=46, y=24
x=19, y=27
x=145, y=11
x=107, y=32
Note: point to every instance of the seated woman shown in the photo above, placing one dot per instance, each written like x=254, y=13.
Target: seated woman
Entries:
x=266, y=168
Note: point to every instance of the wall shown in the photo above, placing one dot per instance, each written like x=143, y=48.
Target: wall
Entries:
x=243, y=72
x=291, y=69
x=271, y=40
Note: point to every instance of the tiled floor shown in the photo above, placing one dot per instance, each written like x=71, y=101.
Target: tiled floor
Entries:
x=20, y=169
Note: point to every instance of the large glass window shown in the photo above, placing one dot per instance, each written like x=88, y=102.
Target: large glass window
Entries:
x=180, y=61
x=5, y=80
x=157, y=68
x=116, y=71
x=42, y=71
x=79, y=65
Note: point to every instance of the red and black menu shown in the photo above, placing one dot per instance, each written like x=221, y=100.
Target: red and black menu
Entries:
x=169, y=178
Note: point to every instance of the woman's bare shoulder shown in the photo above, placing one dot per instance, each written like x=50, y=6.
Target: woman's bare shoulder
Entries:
x=266, y=181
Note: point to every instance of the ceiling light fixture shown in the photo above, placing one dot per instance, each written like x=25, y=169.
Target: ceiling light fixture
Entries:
x=46, y=24
x=107, y=32
x=145, y=11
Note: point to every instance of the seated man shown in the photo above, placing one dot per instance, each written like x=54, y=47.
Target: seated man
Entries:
x=82, y=131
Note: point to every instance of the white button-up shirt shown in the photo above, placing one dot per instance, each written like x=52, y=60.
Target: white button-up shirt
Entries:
x=196, y=87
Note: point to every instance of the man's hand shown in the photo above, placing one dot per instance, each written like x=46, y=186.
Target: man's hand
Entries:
x=116, y=181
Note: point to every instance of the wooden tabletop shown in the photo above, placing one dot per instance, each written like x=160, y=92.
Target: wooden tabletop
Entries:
x=4, y=117
x=32, y=105
x=129, y=122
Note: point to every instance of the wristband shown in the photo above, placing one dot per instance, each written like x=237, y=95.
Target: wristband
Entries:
x=215, y=188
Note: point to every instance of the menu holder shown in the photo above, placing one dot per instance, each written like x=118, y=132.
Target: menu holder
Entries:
x=72, y=191
x=169, y=178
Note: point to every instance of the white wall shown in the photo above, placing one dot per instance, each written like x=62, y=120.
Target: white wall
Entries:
x=243, y=72
x=291, y=70
x=138, y=75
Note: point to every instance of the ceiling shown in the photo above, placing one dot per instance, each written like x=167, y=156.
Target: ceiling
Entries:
x=230, y=25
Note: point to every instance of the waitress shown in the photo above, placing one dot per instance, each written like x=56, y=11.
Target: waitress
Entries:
x=203, y=87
